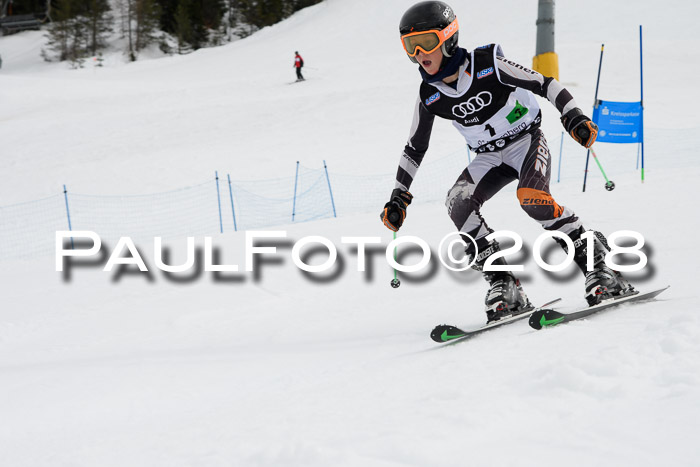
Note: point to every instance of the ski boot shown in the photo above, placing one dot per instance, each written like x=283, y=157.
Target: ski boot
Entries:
x=602, y=283
x=505, y=296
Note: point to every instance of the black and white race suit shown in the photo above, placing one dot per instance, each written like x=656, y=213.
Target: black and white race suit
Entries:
x=493, y=106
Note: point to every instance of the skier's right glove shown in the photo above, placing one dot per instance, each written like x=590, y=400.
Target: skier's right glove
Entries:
x=580, y=127
x=394, y=211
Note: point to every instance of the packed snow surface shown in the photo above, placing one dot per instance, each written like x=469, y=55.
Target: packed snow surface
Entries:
x=277, y=367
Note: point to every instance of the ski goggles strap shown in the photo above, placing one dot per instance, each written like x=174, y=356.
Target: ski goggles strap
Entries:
x=428, y=41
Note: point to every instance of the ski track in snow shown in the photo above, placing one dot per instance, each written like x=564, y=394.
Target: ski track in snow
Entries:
x=286, y=371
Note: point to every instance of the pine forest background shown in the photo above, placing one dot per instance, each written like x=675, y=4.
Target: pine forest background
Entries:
x=78, y=29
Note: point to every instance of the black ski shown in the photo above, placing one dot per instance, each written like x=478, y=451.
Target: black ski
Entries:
x=444, y=333
x=547, y=318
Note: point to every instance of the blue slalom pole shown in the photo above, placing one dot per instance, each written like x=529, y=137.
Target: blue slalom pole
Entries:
x=294, y=203
x=70, y=227
x=329, y=187
x=641, y=92
x=233, y=211
x=561, y=146
x=218, y=199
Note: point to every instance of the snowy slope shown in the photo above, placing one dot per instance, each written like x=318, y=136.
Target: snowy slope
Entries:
x=282, y=369
x=165, y=123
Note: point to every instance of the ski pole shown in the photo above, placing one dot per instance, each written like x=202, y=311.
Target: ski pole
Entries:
x=395, y=281
x=561, y=147
x=610, y=186
x=595, y=106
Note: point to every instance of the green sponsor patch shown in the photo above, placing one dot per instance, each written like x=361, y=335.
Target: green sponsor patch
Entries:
x=517, y=113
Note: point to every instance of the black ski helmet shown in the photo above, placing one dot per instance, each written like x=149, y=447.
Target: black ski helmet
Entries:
x=424, y=16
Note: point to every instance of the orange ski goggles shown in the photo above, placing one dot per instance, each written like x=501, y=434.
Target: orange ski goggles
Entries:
x=428, y=41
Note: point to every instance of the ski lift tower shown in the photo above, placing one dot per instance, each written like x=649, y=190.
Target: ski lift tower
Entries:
x=546, y=60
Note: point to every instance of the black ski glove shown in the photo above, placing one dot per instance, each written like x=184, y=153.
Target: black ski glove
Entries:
x=580, y=127
x=394, y=211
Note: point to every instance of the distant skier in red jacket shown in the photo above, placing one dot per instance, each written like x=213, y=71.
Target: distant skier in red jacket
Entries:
x=298, y=64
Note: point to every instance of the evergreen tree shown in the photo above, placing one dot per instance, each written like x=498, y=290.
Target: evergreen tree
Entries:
x=98, y=22
x=183, y=26
x=168, y=13
x=146, y=16
x=139, y=24
x=196, y=20
x=59, y=31
x=77, y=30
x=212, y=13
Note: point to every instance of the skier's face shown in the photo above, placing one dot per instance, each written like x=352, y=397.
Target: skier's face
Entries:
x=430, y=62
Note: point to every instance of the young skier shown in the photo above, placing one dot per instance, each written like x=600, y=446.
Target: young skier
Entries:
x=298, y=64
x=490, y=101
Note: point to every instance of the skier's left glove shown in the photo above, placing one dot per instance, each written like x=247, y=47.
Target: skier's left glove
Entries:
x=580, y=127
x=394, y=211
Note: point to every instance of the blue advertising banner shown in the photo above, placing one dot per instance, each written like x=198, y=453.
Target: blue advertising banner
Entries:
x=618, y=122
